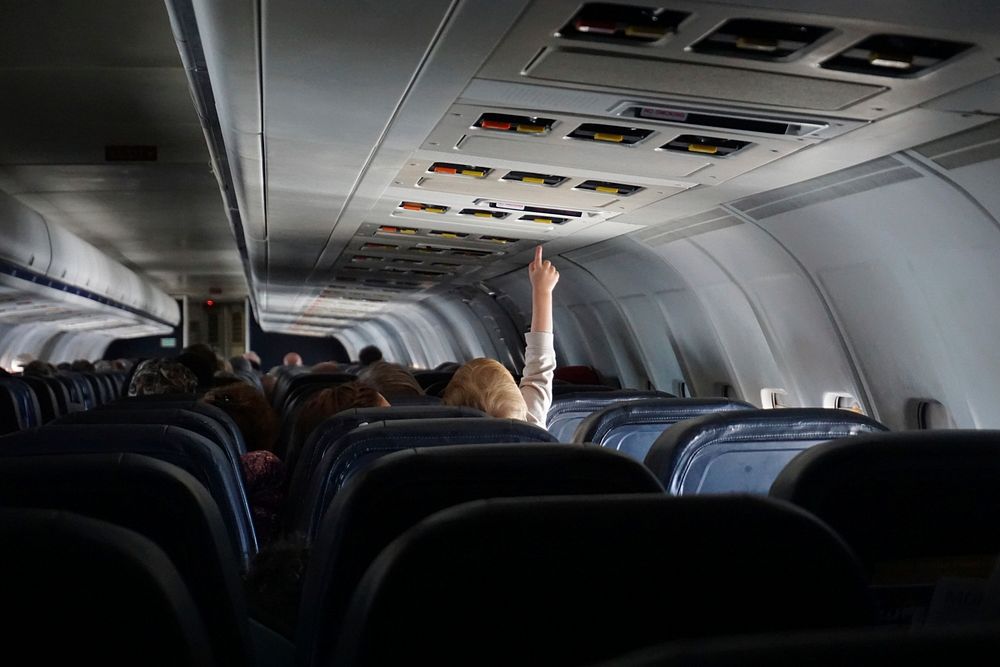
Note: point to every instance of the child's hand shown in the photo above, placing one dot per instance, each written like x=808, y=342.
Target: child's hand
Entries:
x=542, y=274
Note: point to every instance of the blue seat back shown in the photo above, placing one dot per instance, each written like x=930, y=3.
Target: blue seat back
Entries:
x=563, y=388
x=191, y=452
x=961, y=644
x=196, y=422
x=568, y=410
x=365, y=444
x=915, y=506
x=396, y=492
x=158, y=501
x=743, y=451
x=80, y=390
x=284, y=375
x=19, y=408
x=182, y=402
x=330, y=431
x=48, y=403
x=631, y=428
x=301, y=387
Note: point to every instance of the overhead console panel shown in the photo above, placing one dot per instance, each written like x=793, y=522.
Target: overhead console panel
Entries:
x=764, y=58
x=630, y=142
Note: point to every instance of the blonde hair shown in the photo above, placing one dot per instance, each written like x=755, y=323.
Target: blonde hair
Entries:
x=486, y=385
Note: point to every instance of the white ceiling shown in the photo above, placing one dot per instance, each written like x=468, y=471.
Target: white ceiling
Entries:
x=332, y=112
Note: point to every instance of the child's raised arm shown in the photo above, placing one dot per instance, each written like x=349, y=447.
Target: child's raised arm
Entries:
x=543, y=278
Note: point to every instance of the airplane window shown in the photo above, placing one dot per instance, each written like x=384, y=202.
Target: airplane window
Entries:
x=773, y=398
x=932, y=414
x=842, y=401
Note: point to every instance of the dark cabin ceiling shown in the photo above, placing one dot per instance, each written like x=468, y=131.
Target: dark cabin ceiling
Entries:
x=80, y=76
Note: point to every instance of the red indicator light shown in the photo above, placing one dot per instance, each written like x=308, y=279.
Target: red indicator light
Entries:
x=209, y=302
x=495, y=125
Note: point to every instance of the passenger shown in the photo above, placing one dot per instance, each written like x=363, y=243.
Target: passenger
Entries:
x=391, y=379
x=265, y=481
x=326, y=367
x=251, y=412
x=39, y=368
x=240, y=364
x=326, y=403
x=103, y=366
x=225, y=378
x=268, y=382
x=274, y=584
x=369, y=355
x=64, y=366
x=292, y=359
x=162, y=376
x=253, y=358
x=200, y=365
x=487, y=385
x=82, y=366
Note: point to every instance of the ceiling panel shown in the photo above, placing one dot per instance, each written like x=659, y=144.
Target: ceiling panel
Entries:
x=80, y=77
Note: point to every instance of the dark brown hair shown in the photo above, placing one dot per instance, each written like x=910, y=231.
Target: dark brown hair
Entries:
x=251, y=412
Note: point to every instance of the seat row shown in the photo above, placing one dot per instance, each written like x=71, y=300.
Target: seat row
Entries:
x=27, y=401
x=560, y=552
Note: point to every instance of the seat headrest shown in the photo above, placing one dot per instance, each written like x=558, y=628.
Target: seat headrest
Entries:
x=342, y=423
x=572, y=581
x=968, y=645
x=400, y=489
x=899, y=496
x=367, y=443
x=205, y=460
x=659, y=411
x=158, y=501
x=77, y=586
x=744, y=450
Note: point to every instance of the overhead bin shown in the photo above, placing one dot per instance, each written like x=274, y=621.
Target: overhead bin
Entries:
x=59, y=268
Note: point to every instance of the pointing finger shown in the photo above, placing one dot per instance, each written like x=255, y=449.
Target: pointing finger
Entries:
x=538, y=254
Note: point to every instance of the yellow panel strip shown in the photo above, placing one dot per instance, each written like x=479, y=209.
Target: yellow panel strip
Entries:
x=703, y=148
x=604, y=136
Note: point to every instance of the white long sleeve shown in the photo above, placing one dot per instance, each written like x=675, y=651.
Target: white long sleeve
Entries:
x=536, y=380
